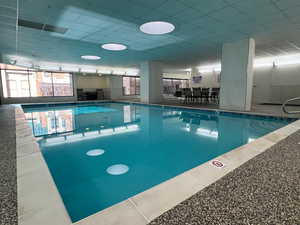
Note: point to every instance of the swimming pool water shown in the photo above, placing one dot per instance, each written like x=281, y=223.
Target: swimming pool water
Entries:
x=102, y=154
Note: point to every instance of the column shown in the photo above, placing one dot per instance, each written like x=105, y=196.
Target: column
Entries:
x=151, y=82
x=237, y=75
x=116, y=87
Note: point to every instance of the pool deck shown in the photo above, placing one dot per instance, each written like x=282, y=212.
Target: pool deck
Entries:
x=264, y=190
x=8, y=167
x=273, y=158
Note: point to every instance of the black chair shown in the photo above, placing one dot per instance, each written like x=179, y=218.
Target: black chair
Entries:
x=81, y=95
x=196, y=94
x=214, y=96
x=205, y=94
x=187, y=93
x=178, y=94
x=100, y=94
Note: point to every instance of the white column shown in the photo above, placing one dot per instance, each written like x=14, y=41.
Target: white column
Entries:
x=237, y=75
x=116, y=87
x=151, y=82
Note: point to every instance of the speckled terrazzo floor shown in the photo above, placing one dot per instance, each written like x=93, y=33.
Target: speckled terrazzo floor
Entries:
x=263, y=191
x=8, y=179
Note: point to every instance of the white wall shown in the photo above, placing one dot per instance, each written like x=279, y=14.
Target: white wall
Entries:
x=237, y=75
x=116, y=88
x=178, y=76
x=151, y=82
x=275, y=85
x=209, y=80
x=270, y=85
x=92, y=82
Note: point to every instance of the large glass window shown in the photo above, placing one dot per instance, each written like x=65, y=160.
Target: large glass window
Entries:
x=26, y=83
x=171, y=85
x=15, y=84
x=131, y=85
x=40, y=84
x=62, y=84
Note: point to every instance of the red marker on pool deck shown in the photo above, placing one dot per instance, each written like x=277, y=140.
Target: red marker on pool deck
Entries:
x=217, y=164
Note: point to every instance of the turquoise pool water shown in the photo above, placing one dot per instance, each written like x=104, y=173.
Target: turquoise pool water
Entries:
x=102, y=154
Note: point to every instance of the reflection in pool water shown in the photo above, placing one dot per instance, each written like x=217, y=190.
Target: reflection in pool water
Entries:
x=95, y=152
x=58, y=120
x=51, y=122
x=118, y=169
x=144, y=146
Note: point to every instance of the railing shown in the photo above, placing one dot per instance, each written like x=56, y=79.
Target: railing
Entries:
x=286, y=102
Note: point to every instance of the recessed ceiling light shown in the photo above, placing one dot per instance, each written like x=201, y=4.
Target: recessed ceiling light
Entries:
x=114, y=47
x=90, y=57
x=157, y=27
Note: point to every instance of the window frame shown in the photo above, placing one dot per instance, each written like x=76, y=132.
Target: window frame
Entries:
x=135, y=89
x=72, y=82
x=28, y=71
x=176, y=79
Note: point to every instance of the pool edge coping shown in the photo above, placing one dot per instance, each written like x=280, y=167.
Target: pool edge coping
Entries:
x=284, y=116
x=38, y=202
x=252, y=113
x=141, y=208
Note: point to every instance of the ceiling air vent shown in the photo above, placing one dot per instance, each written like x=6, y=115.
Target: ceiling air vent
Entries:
x=40, y=26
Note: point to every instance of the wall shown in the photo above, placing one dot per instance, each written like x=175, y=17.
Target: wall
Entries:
x=209, y=80
x=92, y=82
x=116, y=88
x=151, y=82
x=270, y=85
x=237, y=75
x=276, y=85
x=178, y=76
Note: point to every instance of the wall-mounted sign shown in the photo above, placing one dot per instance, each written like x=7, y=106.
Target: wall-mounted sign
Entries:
x=197, y=79
x=217, y=164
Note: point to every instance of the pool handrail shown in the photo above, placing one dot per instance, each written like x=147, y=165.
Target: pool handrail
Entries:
x=286, y=102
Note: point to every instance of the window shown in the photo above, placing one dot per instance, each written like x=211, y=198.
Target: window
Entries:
x=15, y=84
x=13, y=91
x=25, y=88
x=26, y=83
x=40, y=84
x=131, y=85
x=62, y=84
x=171, y=85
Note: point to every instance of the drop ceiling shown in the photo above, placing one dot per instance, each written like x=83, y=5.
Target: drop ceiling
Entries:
x=202, y=26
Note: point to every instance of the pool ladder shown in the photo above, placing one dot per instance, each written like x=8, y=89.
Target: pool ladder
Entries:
x=286, y=102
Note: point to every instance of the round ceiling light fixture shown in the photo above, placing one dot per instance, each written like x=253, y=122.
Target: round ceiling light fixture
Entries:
x=90, y=57
x=157, y=27
x=114, y=47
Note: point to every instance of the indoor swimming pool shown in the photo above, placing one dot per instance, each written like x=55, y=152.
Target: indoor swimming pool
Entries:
x=101, y=154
